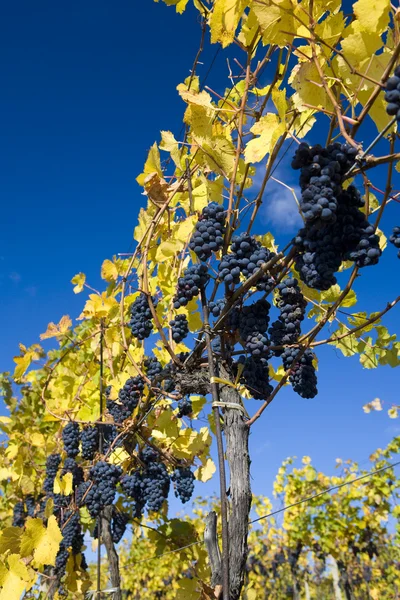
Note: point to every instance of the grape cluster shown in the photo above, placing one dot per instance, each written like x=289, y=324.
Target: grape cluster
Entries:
x=322, y=171
x=61, y=562
x=253, y=324
x=133, y=486
x=251, y=256
x=319, y=257
x=217, y=347
x=52, y=463
x=80, y=492
x=153, y=368
x=246, y=257
x=72, y=531
x=71, y=438
x=131, y=393
x=155, y=479
x=292, y=306
x=141, y=318
x=302, y=376
x=19, y=515
x=109, y=432
x=61, y=502
x=321, y=250
x=90, y=441
x=71, y=466
x=209, y=233
x=194, y=278
x=179, y=328
x=183, y=479
x=392, y=94
x=185, y=408
x=229, y=269
x=359, y=240
x=105, y=477
x=119, y=522
x=119, y=412
x=255, y=377
x=30, y=504
x=215, y=308
x=72, y=538
x=395, y=239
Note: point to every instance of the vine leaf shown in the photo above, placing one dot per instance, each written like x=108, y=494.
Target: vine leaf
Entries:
x=15, y=578
x=152, y=165
x=79, y=281
x=269, y=129
x=54, y=330
x=373, y=15
x=206, y=471
x=224, y=20
x=40, y=541
x=109, y=270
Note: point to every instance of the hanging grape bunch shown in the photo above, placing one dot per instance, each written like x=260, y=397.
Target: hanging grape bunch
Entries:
x=395, y=239
x=189, y=285
x=392, y=94
x=322, y=247
x=209, y=234
x=179, y=328
x=141, y=323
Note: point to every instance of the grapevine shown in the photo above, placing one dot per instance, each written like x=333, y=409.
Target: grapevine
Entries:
x=141, y=318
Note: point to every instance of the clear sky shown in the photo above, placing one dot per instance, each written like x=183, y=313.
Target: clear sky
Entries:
x=86, y=88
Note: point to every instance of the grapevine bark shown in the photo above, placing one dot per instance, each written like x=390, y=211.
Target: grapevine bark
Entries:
x=112, y=555
x=237, y=454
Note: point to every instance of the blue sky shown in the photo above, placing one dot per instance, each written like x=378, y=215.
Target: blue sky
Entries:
x=86, y=90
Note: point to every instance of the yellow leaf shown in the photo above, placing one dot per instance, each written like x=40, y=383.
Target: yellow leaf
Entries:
x=224, y=20
x=16, y=579
x=375, y=404
x=37, y=439
x=79, y=281
x=109, y=270
x=311, y=474
x=41, y=542
x=183, y=230
x=119, y=456
x=165, y=251
x=393, y=412
x=269, y=129
x=23, y=362
x=63, y=485
x=359, y=44
x=200, y=197
x=152, y=164
x=275, y=20
x=194, y=315
x=171, y=145
x=206, y=471
x=98, y=306
x=6, y=474
x=198, y=403
x=180, y=5
x=279, y=99
x=373, y=15
x=144, y=221
x=10, y=540
x=54, y=330
x=194, y=97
